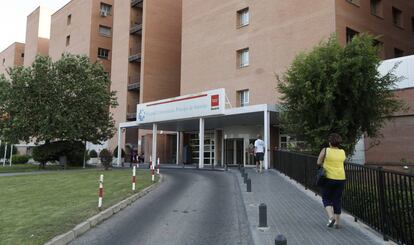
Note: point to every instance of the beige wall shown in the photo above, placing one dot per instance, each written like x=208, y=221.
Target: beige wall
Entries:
x=11, y=57
x=79, y=29
x=83, y=30
x=120, y=64
x=278, y=30
x=38, y=22
x=359, y=18
x=160, y=71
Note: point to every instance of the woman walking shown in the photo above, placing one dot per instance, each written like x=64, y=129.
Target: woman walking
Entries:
x=332, y=160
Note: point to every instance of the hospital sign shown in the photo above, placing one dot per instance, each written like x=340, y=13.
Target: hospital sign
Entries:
x=198, y=105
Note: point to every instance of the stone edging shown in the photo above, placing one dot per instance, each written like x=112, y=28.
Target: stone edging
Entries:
x=100, y=217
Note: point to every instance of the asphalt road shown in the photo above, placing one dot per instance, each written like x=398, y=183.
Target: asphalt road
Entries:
x=190, y=207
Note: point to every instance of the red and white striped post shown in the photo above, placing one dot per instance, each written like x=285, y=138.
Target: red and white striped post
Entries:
x=133, y=178
x=158, y=166
x=101, y=179
x=153, y=173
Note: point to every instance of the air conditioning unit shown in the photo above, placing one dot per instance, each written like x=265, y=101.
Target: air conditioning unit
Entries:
x=104, y=13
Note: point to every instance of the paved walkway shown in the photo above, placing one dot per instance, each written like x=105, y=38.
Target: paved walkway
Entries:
x=296, y=214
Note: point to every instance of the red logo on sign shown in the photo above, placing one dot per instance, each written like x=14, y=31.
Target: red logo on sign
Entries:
x=215, y=100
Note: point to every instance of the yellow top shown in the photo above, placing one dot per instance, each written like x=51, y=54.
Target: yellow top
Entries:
x=334, y=164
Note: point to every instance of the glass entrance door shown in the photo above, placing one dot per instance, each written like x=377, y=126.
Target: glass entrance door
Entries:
x=209, y=146
x=233, y=151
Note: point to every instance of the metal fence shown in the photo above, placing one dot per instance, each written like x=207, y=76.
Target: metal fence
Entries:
x=380, y=198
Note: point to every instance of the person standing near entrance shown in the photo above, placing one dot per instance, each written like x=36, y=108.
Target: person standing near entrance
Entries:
x=332, y=160
x=259, y=151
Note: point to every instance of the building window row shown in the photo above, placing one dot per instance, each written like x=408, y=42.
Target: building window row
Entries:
x=377, y=9
x=243, y=57
x=350, y=34
x=243, y=97
x=105, y=31
x=67, y=40
x=103, y=53
x=105, y=9
x=243, y=17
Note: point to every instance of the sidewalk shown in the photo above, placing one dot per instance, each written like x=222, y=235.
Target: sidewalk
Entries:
x=298, y=215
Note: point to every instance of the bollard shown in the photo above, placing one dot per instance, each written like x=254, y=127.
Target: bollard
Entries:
x=153, y=173
x=226, y=168
x=249, y=185
x=245, y=178
x=100, y=191
x=280, y=240
x=262, y=215
x=158, y=166
x=133, y=178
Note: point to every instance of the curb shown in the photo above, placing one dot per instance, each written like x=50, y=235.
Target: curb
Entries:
x=85, y=226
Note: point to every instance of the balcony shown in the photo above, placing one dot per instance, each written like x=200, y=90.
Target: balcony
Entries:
x=131, y=116
x=134, y=83
x=136, y=3
x=134, y=55
x=136, y=29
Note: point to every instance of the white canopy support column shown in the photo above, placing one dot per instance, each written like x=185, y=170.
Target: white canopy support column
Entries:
x=201, y=144
x=178, y=148
x=119, y=158
x=154, y=143
x=266, y=130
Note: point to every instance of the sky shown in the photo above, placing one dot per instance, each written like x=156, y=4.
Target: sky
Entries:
x=13, y=14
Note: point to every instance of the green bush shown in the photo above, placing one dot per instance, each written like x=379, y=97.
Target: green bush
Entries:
x=115, y=153
x=8, y=150
x=20, y=159
x=106, y=158
x=52, y=151
x=93, y=154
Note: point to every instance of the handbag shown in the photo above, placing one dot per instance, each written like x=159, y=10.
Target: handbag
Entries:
x=320, y=177
x=321, y=173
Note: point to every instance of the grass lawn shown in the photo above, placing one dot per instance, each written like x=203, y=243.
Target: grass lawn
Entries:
x=25, y=168
x=36, y=208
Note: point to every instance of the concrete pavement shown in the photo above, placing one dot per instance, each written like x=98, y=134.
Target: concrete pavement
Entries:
x=190, y=207
x=295, y=214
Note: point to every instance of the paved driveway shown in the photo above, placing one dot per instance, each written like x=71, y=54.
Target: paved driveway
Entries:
x=190, y=207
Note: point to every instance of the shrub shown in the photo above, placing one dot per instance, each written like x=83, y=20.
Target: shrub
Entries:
x=115, y=153
x=20, y=159
x=106, y=158
x=52, y=151
x=93, y=154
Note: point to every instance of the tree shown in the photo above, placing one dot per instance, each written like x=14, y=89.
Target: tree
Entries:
x=337, y=89
x=66, y=100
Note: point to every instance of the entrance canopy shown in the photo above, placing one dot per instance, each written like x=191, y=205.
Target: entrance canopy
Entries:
x=200, y=112
x=240, y=116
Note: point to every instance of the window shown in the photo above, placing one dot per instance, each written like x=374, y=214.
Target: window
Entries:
x=350, y=34
x=243, y=97
x=103, y=53
x=398, y=53
x=22, y=55
x=4, y=61
x=69, y=20
x=243, y=57
x=397, y=17
x=243, y=17
x=105, y=31
x=67, y=40
x=105, y=9
x=355, y=2
x=376, y=7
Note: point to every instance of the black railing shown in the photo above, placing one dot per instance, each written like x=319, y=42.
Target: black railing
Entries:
x=382, y=199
